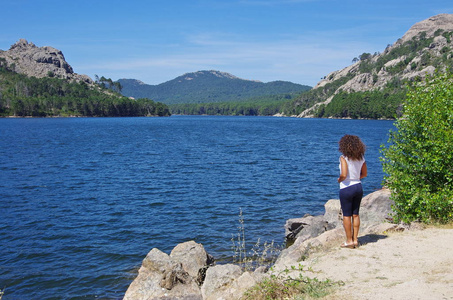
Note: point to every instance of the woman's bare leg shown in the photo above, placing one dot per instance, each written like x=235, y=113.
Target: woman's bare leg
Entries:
x=348, y=229
x=356, y=227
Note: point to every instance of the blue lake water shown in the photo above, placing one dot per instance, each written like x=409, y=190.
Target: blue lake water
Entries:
x=83, y=200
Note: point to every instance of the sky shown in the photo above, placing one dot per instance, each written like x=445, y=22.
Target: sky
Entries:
x=158, y=40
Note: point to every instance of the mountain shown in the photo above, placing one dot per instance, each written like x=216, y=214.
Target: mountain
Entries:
x=38, y=82
x=40, y=62
x=374, y=85
x=207, y=87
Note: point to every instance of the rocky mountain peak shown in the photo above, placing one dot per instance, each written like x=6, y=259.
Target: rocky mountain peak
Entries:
x=22, y=44
x=430, y=26
x=192, y=75
x=26, y=58
x=208, y=73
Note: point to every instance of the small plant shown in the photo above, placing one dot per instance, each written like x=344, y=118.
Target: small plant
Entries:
x=260, y=254
x=239, y=250
x=282, y=286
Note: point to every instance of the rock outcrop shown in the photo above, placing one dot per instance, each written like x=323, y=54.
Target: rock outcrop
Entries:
x=430, y=26
x=26, y=58
x=375, y=211
x=189, y=273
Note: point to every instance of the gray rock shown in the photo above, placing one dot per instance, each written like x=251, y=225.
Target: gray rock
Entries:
x=376, y=208
x=192, y=256
x=157, y=261
x=305, y=227
x=218, y=281
x=430, y=26
x=333, y=214
x=39, y=62
x=174, y=276
x=297, y=252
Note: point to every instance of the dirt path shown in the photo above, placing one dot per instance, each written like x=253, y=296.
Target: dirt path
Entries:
x=402, y=265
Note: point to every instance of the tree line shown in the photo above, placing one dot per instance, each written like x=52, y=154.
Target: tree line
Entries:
x=363, y=105
x=260, y=106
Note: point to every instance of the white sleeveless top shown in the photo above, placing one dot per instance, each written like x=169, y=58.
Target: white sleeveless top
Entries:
x=354, y=169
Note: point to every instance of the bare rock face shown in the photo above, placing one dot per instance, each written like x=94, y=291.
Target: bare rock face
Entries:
x=26, y=58
x=430, y=25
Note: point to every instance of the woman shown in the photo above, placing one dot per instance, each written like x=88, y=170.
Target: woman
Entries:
x=352, y=169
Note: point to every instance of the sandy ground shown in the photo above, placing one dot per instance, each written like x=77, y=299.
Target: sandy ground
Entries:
x=414, y=264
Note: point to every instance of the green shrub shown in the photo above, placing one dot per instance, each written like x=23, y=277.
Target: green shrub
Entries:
x=418, y=160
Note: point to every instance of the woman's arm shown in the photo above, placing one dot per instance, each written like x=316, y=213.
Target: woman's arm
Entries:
x=343, y=169
x=363, y=171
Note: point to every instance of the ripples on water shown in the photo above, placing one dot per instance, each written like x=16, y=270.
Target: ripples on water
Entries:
x=84, y=200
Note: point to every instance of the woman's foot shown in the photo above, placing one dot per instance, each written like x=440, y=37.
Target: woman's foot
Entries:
x=346, y=245
x=356, y=244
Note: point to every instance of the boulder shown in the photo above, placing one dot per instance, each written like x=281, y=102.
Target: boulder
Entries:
x=297, y=252
x=193, y=257
x=376, y=208
x=333, y=214
x=174, y=276
x=306, y=227
x=218, y=279
x=228, y=282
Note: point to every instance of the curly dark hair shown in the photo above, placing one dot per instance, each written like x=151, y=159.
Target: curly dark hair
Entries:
x=352, y=147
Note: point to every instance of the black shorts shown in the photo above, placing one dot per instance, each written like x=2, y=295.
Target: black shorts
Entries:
x=350, y=199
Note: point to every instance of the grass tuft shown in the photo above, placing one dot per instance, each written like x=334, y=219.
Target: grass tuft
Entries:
x=261, y=254
x=282, y=286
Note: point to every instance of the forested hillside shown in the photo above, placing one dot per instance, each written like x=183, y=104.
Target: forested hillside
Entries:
x=375, y=85
x=21, y=95
x=208, y=87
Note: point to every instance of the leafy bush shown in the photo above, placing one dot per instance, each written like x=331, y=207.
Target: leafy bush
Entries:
x=418, y=160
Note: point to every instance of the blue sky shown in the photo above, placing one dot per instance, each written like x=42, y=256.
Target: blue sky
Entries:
x=155, y=41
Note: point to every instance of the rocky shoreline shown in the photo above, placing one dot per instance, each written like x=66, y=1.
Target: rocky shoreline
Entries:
x=190, y=273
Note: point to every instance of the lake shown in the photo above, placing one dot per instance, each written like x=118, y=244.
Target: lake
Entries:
x=83, y=200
